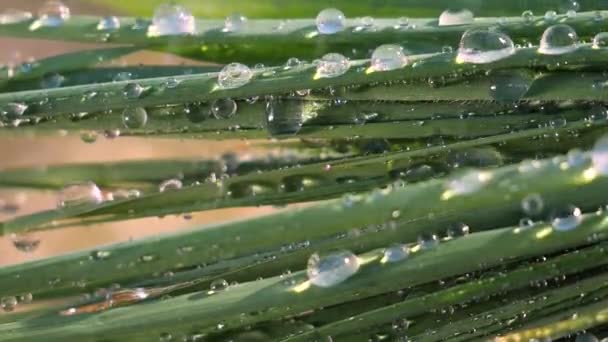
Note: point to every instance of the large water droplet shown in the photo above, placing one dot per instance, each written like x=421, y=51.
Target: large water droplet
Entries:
x=532, y=204
x=456, y=17
x=8, y=304
x=566, y=218
x=171, y=19
x=388, y=57
x=509, y=86
x=558, y=39
x=14, y=16
x=133, y=90
x=284, y=116
x=599, y=156
x=331, y=269
x=134, y=117
x=600, y=41
x=234, y=75
x=170, y=184
x=330, y=21
x=223, y=108
x=483, y=46
x=332, y=65
x=53, y=13
x=25, y=242
x=235, y=22
x=110, y=23
x=80, y=193
x=395, y=253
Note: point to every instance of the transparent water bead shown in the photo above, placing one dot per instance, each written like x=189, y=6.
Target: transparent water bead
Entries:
x=133, y=90
x=509, y=86
x=219, y=285
x=234, y=75
x=25, y=242
x=170, y=184
x=223, y=108
x=332, y=65
x=428, y=241
x=571, y=14
x=395, y=253
x=8, y=304
x=196, y=112
x=330, y=21
x=134, y=117
x=110, y=23
x=467, y=183
x=331, y=269
x=13, y=110
x=558, y=39
x=550, y=16
x=566, y=218
x=53, y=13
x=482, y=46
x=365, y=24
x=52, y=80
x=600, y=41
x=576, y=158
x=527, y=17
x=80, y=193
x=457, y=230
x=456, y=17
x=14, y=16
x=599, y=156
x=235, y=22
x=532, y=204
x=285, y=116
x=388, y=57
x=587, y=337
x=171, y=19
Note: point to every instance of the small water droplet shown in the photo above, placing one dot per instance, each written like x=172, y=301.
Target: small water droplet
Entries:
x=330, y=21
x=165, y=337
x=13, y=110
x=172, y=83
x=366, y=23
x=219, y=285
x=332, y=65
x=171, y=19
x=100, y=255
x=482, y=46
x=14, y=16
x=456, y=17
x=388, y=57
x=558, y=39
x=223, y=108
x=293, y=63
x=52, y=80
x=133, y=90
x=457, y=230
x=170, y=184
x=395, y=253
x=532, y=204
x=80, y=193
x=550, y=16
x=25, y=242
x=576, y=157
x=109, y=23
x=147, y=258
x=332, y=269
x=53, y=13
x=234, y=75
x=467, y=183
x=284, y=116
x=527, y=17
x=566, y=218
x=122, y=76
x=196, y=112
x=235, y=22
x=26, y=298
x=8, y=304
x=428, y=241
x=600, y=41
x=403, y=23
x=571, y=14
x=134, y=118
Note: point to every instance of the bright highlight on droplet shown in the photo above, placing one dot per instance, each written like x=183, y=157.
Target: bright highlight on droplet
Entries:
x=234, y=75
x=171, y=19
x=456, y=17
x=53, y=13
x=330, y=21
x=387, y=57
x=332, y=65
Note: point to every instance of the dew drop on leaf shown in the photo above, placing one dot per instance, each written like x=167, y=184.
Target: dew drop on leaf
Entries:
x=133, y=90
x=395, y=253
x=219, y=285
x=428, y=241
x=196, y=112
x=332, y=65
x=330, y=21
x=234, y=75
x=566, y=218
x=25, y=242
x=109, y=23
x=388, y=57
x=332, y=269
x=558, y=39
x=586, y=337
x=456, y=17
x=457, y=230
x=550, y=16
x=479, y=46
x=8, y=304
x=527, y=17
x=170, y=184
x=223, y=108
x=284, y=116
x=53, y=13
x=600, y=41
x=532, y=204
x=235, y=22
x=134, y=118
x=165, y=337
x=171, y=19
x=599, y=156
x=79, y=193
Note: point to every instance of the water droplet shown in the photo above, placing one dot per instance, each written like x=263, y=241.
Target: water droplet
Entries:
x=219, y=285
x=428, y=241
x=571, y=14
x=26, y=298
x=457, y=230
x=527, y=17
x=403, y=23
x=171, y=19
x=599, y=156
x=52, y=80
x=600, y=41
x=388, y=57
x=147, y=258
x=566, y=218
x=223, y=108
x=134, y=117
x=14, y=16
x=100, y=255
x=331, y=269
x=550, y=16
x=532, y=204
x=234, y=75
x=170, y=184
x=598, y=17
x=468, y=183
x=111, y=133
x=587, y=337
x=293, y=63
x=332, y=65
x=88, y=137
x=509, y=86
x=483, y=46
x=80, y=193
x=133, y=90
x=53, y=13
x=165, y=337
x=558, y=39
x=395, y=253
x=576, y=157
x=196, y=113
x=13, y=110
x=235, y=22
x=25, y=242
x=597, y=114
x=330, y=21
x=456, y=17
x=284, y=116
x=110, y=23
x=172, y=83
x=8, y=304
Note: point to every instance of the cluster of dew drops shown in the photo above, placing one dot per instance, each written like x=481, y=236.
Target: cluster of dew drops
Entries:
x=477, y=46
